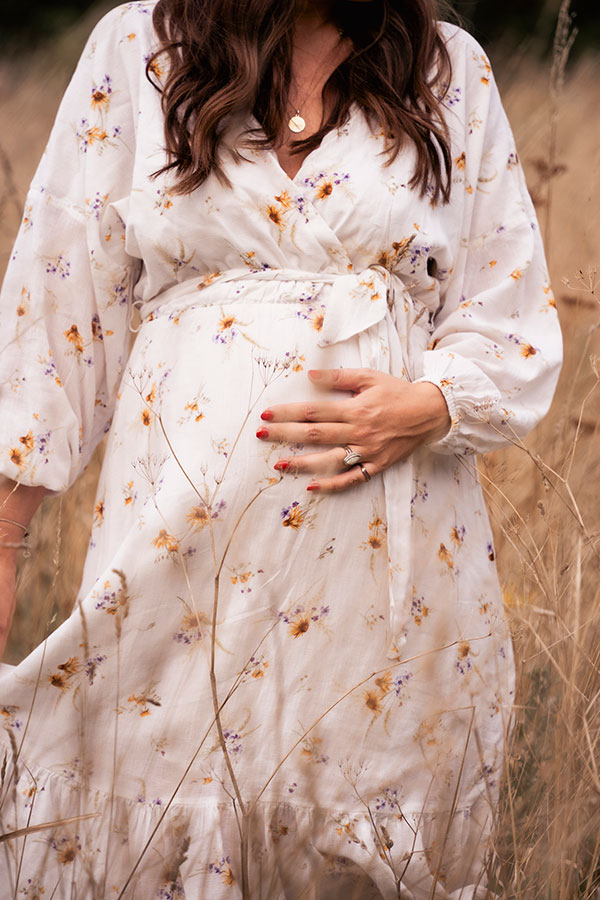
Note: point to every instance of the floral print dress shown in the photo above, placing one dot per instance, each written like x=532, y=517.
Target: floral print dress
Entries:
x=262, y=692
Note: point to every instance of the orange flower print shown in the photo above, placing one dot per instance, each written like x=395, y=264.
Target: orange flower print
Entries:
x=23, y=306
x=257, y=666
x=460, y=161
x=73, y=336
x=223, y=868
x=155, y=67
x=146, y=417
x=16, y=457
x=193, y=408
x=317, y=318
x=292, y=516
x=463, y=663
x=324, y=190
x=400, y=250
x=528, y=350
x=208, y=279
x=516, y=275
x=142, y=702
x=311, y=750
x=101, y=94
x=457, y=535
x=275, y=216
x=190, y=629
x=27, y=220
x=284, y=200
x=198, y=517
x=373, y=702
x=71, y=666
x=324, y=184
x=151, y=395
x=163, y=201
x=129, y=495
x=96, y=134
x=300, y=618
x=445, y=556
x=345, y=828
x=377, y=533
x=418, y=609
x=384, y=683
x=58, y=680
x=99, y=512
x=66, y=849
x=27, y=440
x=63, y=678
x=550, y=298
x=295, y=361
x=226, y=322
x=299, y=626
x=166, y=540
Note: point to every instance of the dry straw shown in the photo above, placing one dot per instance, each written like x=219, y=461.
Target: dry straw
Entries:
x=540, y=495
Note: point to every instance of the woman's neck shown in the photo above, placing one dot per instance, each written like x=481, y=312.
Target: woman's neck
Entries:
x=313, y=13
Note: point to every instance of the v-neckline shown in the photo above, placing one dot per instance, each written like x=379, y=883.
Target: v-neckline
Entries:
x=296, y=181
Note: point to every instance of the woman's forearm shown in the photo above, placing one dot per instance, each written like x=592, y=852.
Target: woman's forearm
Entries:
x=17, y=505
x=18, y=502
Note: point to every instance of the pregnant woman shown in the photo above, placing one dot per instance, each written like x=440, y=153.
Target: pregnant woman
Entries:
x=283, y=255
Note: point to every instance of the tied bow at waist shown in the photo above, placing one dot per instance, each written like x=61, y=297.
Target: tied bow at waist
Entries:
x=375, y=307
x=354, y=302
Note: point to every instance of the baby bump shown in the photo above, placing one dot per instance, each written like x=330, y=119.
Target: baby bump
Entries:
x=183, y=460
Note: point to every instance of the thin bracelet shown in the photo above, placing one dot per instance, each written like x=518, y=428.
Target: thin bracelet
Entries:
x=12, y=522
x=23, y=545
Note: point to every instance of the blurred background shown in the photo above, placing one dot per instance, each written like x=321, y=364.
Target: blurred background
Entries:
x=542, y=495
x=29, y=25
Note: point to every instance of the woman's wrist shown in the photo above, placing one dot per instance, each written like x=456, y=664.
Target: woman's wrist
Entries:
x=439, y=420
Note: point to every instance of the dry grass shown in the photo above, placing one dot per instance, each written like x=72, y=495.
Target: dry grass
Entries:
x=541, y=496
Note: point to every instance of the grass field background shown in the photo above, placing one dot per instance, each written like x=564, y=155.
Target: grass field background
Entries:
x=542, y=496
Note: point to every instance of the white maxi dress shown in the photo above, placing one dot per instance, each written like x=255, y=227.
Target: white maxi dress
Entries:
x=262, y=692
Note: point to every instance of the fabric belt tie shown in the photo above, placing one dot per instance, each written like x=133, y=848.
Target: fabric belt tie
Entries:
x=376, y=307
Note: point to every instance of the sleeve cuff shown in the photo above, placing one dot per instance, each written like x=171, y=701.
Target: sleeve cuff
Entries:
x=472, y=400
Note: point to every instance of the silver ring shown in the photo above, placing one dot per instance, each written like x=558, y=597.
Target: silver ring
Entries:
x=352, y=457
x=365, y=473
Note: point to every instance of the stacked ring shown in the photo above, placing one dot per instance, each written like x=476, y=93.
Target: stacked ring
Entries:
x=365, y=473
x=352, y=457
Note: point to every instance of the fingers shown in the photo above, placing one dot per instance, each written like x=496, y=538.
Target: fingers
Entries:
x=355, y=380
x=308, y=412
x=353, y=477
x=309, y=433
x=329, y=462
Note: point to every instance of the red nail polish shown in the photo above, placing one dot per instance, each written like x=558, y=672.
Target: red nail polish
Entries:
x=267, y=416
x=312, y=487
x=281, y=465
x=262, y=433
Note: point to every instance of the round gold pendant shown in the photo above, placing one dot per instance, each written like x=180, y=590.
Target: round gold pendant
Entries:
x=297, y=123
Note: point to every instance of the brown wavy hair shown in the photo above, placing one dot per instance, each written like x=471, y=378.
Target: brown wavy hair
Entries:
x=227, y=56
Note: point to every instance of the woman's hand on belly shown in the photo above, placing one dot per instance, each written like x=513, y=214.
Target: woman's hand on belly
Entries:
x=385, y=420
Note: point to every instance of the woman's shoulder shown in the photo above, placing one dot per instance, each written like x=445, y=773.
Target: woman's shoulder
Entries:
x=126, y=29
x=466, y=53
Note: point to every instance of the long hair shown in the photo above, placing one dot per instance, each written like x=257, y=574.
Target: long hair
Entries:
x=227, y=56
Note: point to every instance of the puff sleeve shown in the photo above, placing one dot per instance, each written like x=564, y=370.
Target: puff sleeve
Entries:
x=66, y=297
x=496, y=349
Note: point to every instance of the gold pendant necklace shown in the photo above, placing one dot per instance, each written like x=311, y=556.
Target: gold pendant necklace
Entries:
x=297, y=122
